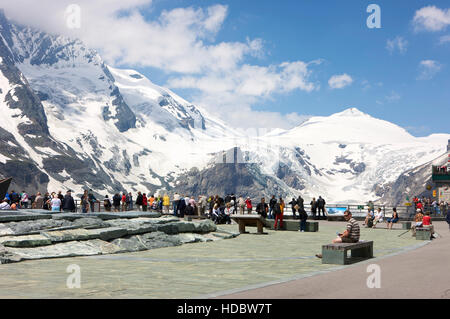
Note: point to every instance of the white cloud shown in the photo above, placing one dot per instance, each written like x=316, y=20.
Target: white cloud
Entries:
x=340, y=81
x=431, y=18
x=444, y=39
x=393, y=96
x=231, y=93
x=399, y=43
x=182, y=43
x=428, y=69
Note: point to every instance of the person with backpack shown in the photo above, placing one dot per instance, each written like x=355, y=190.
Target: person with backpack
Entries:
x=107, y=203
x=278, y=212
x=303, y=217
x=68, y=203
x=189, y=210
x=116, y=202
x=321, y=206
x=181, y=206
x=92, y=200
x=262, y=208
x=272, y=202
x=139, y=201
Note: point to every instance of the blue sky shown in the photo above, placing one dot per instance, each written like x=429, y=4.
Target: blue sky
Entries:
x=273, y=63
x=385, y=83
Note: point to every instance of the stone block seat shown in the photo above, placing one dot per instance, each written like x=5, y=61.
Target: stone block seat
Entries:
x=423, y=233
x=337, y=253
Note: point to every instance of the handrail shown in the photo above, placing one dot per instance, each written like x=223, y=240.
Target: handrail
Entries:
x=357, y=209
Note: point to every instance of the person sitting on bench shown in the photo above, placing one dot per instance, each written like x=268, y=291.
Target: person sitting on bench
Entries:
x=368, y=222
x=426, y=221
x=393, y=220
x=418, y=221
x=378, y=217
x=351, y=233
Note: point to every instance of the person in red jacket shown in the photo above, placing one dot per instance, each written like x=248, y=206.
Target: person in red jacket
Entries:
x=419, y=205
x=144, y=202
x=426, y=221
x=248, y=202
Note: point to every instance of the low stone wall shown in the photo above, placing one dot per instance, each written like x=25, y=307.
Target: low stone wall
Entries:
x=70, y=235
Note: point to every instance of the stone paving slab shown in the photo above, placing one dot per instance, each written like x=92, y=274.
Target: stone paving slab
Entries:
x=212, y=266
x=25, y=241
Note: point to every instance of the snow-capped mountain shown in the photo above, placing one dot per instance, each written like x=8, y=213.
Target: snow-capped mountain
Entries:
x=70, y=121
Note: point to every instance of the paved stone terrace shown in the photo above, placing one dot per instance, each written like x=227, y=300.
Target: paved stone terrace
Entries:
x=196, y=270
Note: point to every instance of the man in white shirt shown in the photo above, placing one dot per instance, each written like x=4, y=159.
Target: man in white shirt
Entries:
x=378, y=217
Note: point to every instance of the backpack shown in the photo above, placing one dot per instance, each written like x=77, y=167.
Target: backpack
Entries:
x=127, y=199
x=277, y=209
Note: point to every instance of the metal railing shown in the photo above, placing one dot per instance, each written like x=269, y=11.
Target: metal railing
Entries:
x=358, y=210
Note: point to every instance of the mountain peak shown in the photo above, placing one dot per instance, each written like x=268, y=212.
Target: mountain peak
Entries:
x=352, y=111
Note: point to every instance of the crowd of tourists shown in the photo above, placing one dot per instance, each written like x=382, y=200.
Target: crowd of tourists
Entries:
x=217, y=208
x=431, y=205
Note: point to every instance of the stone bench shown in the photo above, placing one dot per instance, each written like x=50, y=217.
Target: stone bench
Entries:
x=337, y=253
x=423, y=233
x=249, y=220
x=293, y=225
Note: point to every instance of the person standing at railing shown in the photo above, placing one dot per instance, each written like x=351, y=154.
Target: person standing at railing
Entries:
x=176, y=199
x=166, y=203
x=262, y=208
x=107, y=204
x=294, y=206
x=303, y=217
x=314, y=208
x=39, y=201
x=116, y=202
x=241, y=203
x=92, y=200
x=144, y=202
x=321, y=206
x=248, y=203
x=301, y=204
x=139, y=201
x=272, y=203
x=68, y=204
x=278, y=212
x=85, y=202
